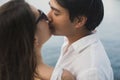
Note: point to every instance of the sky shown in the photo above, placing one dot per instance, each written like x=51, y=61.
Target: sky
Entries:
x=40, y=4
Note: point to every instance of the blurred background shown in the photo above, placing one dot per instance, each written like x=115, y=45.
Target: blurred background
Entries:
x=108, y=31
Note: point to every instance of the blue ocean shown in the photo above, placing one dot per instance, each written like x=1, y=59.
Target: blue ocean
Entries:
x=108, y=32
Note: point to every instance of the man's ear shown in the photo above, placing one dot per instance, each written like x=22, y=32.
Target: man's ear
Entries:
x=80, y=21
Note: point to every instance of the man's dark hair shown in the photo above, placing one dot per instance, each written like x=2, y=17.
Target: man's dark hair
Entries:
x=92, y=9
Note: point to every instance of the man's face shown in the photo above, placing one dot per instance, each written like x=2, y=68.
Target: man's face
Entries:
x=60, y=23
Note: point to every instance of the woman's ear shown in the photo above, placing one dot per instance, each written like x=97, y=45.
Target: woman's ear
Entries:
x=80, y=21
x=36, y=41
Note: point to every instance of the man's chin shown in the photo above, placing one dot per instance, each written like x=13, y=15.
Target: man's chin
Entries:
x=56, y=34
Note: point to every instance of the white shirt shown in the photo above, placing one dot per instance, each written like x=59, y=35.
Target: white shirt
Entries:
x=86, y=59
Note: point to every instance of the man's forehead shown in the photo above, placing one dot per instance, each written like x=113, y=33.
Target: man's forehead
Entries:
x=55, y=6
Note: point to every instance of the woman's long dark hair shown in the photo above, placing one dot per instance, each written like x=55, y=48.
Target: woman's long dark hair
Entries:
x=17, y=30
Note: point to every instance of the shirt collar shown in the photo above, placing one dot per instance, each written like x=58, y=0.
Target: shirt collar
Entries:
x=84, y=42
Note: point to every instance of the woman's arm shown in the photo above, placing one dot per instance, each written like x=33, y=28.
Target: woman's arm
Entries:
x=46, y=71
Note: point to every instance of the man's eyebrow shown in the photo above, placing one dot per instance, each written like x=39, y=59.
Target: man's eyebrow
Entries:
x=54, y=8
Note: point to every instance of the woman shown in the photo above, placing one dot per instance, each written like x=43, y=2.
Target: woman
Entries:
x=23, y=31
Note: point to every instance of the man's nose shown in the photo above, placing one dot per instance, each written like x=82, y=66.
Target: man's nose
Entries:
x=49, y=15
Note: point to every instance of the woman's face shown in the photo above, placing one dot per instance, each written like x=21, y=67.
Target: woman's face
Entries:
x=43, y=32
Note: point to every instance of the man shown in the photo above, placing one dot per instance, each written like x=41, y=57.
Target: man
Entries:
x=82, y=53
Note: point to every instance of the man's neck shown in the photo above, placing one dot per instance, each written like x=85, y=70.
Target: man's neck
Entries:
x=72, y=39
